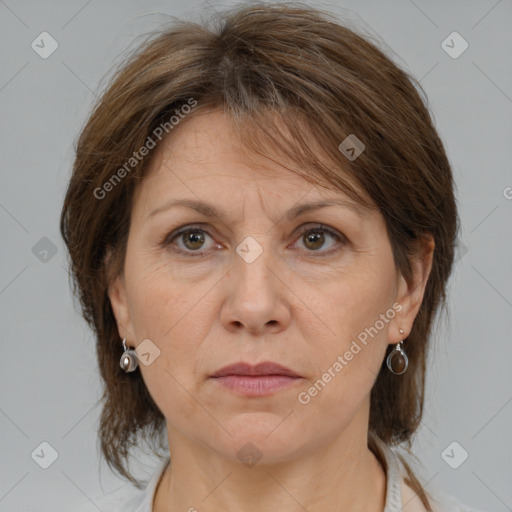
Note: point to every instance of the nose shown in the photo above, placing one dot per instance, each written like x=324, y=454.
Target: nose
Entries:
x=256, y=296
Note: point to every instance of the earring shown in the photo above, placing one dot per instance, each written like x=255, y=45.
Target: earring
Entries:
x=129, y=361
x=397, y=361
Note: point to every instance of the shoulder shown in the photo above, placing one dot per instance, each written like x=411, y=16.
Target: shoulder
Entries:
x=126, y=498
x=439, y=501
x=399, y=496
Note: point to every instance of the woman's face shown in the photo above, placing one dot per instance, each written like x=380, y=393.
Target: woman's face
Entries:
x=316, y=292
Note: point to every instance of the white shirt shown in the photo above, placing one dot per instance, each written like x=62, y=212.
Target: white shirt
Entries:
x=399, y=497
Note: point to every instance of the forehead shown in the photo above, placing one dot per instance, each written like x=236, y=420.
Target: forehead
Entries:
x=204, y=160
x=206, y=147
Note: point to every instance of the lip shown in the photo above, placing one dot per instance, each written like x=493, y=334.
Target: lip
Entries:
x=261, y=369
x=262, y=379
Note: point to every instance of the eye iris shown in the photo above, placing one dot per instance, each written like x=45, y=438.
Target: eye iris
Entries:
x=315, y=237
x=193, y=240
x=196, y=237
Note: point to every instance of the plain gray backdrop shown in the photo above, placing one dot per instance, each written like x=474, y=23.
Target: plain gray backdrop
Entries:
x=49, y=380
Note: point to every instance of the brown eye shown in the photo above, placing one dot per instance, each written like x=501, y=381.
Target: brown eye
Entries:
x=193, y=240
x=314, y=239
x=190, y=241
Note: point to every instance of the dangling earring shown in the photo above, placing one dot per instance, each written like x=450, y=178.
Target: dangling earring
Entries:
x=397, y=361
x=129, y=361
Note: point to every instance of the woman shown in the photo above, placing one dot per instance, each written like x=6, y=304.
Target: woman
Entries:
x=261, y=224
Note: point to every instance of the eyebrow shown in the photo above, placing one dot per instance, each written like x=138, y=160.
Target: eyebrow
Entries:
x=208, y=210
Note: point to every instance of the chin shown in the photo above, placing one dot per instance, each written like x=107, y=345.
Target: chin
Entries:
x=261, y=438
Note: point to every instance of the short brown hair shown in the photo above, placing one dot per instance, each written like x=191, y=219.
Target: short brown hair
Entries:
x=263, y=65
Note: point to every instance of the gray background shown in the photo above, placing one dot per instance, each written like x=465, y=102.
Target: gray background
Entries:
x=49, y=382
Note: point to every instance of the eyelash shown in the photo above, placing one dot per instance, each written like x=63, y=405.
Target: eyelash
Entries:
x=192, y=228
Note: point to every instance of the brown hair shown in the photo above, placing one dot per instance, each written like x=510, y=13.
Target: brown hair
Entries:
x=290, y=77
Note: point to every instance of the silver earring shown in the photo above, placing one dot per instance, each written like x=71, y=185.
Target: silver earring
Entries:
x=129, y=361
x=397, y=361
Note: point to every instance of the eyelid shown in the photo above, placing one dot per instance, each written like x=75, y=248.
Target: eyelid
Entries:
x=304, y=228
x=187, y=227
x=184, y=229
x=311, y=226
x=315, y=226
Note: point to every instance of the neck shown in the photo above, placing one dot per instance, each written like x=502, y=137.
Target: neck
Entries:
x=344, y=475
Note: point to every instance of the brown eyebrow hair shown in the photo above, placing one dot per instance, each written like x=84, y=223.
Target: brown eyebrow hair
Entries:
x=209, y=210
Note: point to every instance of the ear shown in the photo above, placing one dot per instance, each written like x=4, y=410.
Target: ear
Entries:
x=410, y=294
x=119, y=302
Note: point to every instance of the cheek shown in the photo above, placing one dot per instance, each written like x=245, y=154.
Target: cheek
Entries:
x=358, y=311
x=158, y=301
x=356, y=301
x=166, y=312
x=168, y=315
